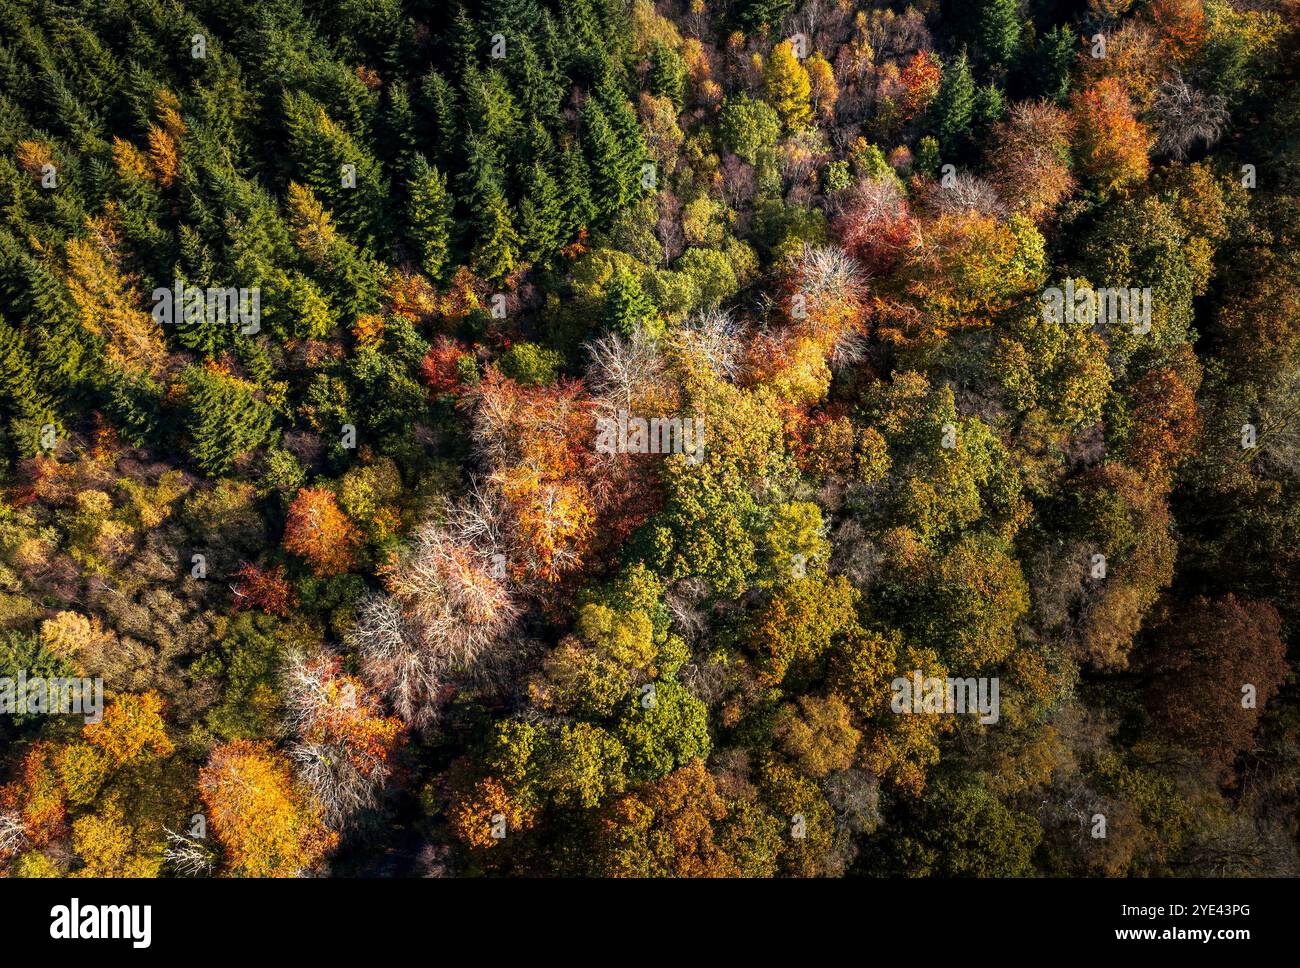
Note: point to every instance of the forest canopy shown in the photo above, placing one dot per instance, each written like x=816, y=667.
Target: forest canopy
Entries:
x=694, y=438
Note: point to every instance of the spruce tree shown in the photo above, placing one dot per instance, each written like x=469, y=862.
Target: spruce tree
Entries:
x=490, y=109
x=997, y=30
x=1051, y=61
x=540, y=216
x=324, y=152
x=604, y=159
x=578, y=210
x=627, y=307
x=954, y=105
x=21, y=399
x=667, y=76
x=223, y=418
x=497, y=252
x=760, y=16
x=438, y=99
x=429, y=213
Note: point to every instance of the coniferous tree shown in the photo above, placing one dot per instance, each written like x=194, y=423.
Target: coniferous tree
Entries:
x=954, y=106
x=788, y=86
x=438, y=99
x=627, y=307
x=612, y=170
x=540, y=216
x=224, y=418
x=578, y=210
x=1050, y=61
x=667, y=76
x=997, y=29
x=497, y=252
x=429, y=214
x=21, y=399
x=759, y=16
x=346, y=176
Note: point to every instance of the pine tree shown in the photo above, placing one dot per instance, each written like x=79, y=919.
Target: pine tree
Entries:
x=483, y=176
x=513, y=18
x=954, y=106
x=498, y=247
x=627, y=307
x=223, y=418
x=403, y=126
x=627, y=129
x=540, y=216
x=582, y=39
x=429, y=214
x=926, y=160
x=760, y=16
x=135, y=403
x=540, y=88
x=989, y=105
x=490, y=109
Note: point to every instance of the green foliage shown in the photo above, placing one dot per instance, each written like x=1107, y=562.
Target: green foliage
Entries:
x=681, y=663
x=627, y=307
x=749, y=128
x=662, y=727
x=954, y=106
x=224, y=418
x=429, y=213
x=531, y=364
x=667, y=76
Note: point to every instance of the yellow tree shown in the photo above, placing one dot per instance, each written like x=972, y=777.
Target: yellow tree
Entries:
x=789, y=89
x=264, y=823
x=106, y=298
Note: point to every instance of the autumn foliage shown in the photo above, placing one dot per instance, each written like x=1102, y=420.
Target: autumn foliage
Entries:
x=318, y=530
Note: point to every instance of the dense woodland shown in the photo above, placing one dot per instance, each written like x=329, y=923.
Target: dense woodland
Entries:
x=367, y=599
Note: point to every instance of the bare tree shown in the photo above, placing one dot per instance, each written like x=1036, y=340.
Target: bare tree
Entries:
x=714, y=337
x=1187, y=116
x=187, y=855
x=13, y=833
x=965, y=192
x=624, y=369
x=827, y=272
x=450, y=598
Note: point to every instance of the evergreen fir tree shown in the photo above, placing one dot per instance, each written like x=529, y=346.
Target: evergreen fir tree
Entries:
x=627, y=307
x=438, y=98
x=497, y=252
x=954, y=105
x=667, y=76
x=760, y=16
x=322, y=149
x=540, y=216
x=997, y=30
x=21, y=399
x=612, y=172
x=1051, y=61
x=223, y=419
x=578, y=211
x=490, y=109
x=429, y=214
